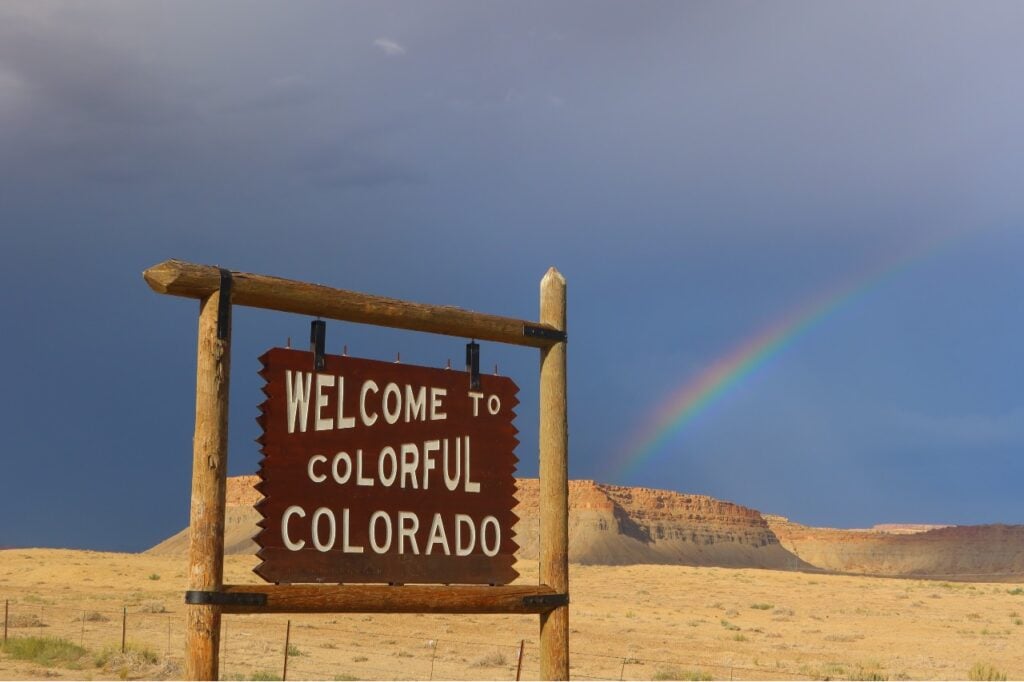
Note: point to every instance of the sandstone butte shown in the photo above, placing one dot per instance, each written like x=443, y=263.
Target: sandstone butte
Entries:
x=616, y=525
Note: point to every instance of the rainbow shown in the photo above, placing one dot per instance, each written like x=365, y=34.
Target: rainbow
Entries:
x=696, y=395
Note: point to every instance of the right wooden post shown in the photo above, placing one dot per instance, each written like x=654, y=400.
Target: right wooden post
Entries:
x=554, y=481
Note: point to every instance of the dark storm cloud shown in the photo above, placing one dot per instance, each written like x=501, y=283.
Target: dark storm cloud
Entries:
x=698, y=170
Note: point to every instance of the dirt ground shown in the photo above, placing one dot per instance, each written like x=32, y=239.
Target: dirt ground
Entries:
x=631, y=622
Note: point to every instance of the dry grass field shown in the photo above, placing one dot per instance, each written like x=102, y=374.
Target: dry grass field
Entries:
x=628, y=622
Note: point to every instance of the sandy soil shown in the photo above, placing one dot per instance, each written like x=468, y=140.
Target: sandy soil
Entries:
x=630, y=622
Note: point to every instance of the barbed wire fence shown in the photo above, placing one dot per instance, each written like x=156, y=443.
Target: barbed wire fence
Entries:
x=260, y=647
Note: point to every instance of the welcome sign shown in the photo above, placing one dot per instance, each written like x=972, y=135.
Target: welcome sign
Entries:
x=384, y=472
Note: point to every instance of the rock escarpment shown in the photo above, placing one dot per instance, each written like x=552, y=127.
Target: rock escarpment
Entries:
x=611, y=524
x=987, y=552
x=616, y=525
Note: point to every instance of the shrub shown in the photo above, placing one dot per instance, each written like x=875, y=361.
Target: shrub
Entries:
x=154, y=576
x=152, y=607
x=135, y=662
x=293, y=650
x=760, y=606
x=264, y=676
x=45, y=651
x=984, y=671
x=25, y=620
x=1016, y=590
x=491, y=660
x=94, y=617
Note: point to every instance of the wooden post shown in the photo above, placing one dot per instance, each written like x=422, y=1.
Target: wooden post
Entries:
x=209, y=482
x=7, y=605
x=519, y=659
x=554, y=481
x=287, y=641
x=124, y=625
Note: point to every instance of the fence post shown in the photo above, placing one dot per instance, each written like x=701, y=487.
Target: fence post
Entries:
x=209, y=482
x=7, y=604
x=124, y=626
x=554, y=482
x=287, y=638
x=433, y=655
x=519, y=659
x=622, y=670
x=81, y=642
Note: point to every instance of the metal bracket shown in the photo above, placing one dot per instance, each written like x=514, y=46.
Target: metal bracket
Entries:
x=473, y=364
x=224, y=306
x=549, y=600
x=318, y=342
x=225, y=598
x=537, y=332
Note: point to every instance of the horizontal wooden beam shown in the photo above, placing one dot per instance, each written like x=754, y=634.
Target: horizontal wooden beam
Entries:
x=387, y=599
x=178, y=278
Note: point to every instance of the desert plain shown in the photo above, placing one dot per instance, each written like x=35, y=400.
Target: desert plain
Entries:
x=647, y=602
x=628, y=622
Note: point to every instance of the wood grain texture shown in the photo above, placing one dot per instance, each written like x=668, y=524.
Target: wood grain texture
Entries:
x=178, y=278
x=209, y=481
x=554, y=481
x=393, y=599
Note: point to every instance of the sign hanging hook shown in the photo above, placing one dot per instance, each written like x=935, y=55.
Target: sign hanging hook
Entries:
x=473, y=364
x=317, y=342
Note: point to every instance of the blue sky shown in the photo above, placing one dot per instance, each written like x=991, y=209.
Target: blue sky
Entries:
x=696, y=170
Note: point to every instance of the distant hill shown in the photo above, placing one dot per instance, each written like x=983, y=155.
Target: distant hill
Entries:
x=616, y=525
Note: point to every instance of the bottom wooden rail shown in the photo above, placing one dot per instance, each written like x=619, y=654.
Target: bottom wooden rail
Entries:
x=381, y=599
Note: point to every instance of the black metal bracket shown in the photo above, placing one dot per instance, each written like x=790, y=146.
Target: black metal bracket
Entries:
x=318, y=342
x=224, y=306
x=225, y=598
x=473, y=364
x=536, y=332
x=548, y=600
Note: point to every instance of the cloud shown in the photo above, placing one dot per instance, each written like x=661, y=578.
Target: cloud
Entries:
x=389, y=47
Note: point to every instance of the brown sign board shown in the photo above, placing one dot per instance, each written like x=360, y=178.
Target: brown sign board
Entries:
x=381, y=472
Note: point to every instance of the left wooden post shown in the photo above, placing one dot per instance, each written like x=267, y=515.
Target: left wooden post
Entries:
x=209, y=482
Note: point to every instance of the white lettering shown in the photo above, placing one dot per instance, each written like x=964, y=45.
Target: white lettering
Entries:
x=471, y=486
x=410, y=460
x=428, y=460
x=451, y=482
x=476, y=402
x=415, y=404
x=346, y=547
x=437, y=536
x=316, y=478
x=368, y=385
x=392, y=390
x=436, y=394
x=291, y=511
x=338, y=459
x=317, y=515
x=297, y=395
x=322, y=381
x=387, y=453
x=343, y=421
x=460, y=521
x=493, y=404
x=409, y=531
x=493, y=549
x=380, y=548
x=360, y=479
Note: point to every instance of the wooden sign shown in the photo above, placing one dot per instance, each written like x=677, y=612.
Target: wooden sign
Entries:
x=380, y=472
